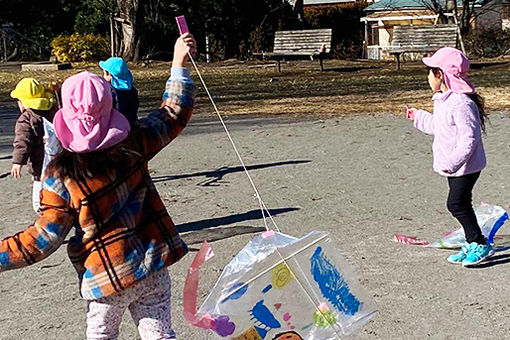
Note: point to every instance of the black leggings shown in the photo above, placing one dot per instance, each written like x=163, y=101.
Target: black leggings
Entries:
x=460, y=205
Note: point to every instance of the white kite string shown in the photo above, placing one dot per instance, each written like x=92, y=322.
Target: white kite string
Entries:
x=261, y=202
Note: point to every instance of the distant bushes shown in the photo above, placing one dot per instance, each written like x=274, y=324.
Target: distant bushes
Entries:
x=344, y=19
x=488, y=43
x=80, y=47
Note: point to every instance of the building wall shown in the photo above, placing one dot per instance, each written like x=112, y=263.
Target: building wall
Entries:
x=385, y=30
x=385, y=33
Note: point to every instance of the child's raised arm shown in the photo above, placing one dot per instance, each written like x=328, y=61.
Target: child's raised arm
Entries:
x=162, y=126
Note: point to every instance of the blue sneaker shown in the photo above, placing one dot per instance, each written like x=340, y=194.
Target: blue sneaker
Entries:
x=477, y=253
x=461, y=255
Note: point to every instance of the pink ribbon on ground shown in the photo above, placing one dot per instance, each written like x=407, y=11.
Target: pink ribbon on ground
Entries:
x=410, y=240
x=190, y=295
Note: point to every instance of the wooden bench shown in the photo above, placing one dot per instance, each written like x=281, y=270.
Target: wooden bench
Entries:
x=315, y=44
x=422, y=39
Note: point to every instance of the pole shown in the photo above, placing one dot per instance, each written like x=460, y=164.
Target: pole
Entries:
x=207, y=46
x=459, y=33
x=207, y=49
x=112, y=36
x=5, y=45
x=365, y=43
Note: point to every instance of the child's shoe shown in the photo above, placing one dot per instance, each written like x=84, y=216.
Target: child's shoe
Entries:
x=477, y=253
x=461, y=255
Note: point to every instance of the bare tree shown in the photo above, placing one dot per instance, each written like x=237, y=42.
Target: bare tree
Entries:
x=451, y=7
x=468, y=13
x=297, y=6
x=465, y=13
x=132, y=21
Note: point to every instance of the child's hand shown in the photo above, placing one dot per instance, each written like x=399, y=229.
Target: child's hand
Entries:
x=184, y=45
x=16, y=170
x=410, y=113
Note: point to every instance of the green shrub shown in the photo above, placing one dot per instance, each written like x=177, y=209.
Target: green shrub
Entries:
x=259, y=41
x=80, y=47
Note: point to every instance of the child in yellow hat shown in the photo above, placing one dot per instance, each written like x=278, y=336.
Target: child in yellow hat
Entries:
x=36, y=104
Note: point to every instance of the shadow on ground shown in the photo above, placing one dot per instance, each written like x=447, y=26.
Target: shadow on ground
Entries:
x=502, y=245
x=213, y=177
x=211, y=230
x=495, y=261
x=350, y=69
x=480, y=65
x=230, y=219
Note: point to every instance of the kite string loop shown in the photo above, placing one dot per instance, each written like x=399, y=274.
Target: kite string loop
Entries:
x=261, y=202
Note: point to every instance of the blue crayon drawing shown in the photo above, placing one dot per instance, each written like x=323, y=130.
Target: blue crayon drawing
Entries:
x=264, y=319
x=267, y=289
x=239, y=292
x=332, y=285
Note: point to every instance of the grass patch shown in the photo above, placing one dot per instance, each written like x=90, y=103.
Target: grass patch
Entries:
x=345, y=88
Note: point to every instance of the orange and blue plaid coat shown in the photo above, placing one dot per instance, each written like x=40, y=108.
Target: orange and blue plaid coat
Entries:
x=122, y=229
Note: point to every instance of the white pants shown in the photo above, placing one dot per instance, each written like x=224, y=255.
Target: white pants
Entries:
x=149, y=304
x=36, y=195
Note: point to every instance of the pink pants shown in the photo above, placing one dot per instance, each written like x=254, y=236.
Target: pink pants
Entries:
x=148, y=302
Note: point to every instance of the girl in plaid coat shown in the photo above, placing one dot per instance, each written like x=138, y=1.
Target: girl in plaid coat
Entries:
x=99, y=186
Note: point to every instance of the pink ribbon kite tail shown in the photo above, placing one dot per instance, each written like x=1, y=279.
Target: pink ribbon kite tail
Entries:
x=410, y=240
x=190, y=295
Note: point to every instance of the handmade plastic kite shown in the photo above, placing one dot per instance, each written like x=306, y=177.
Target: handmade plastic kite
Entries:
x=490, y=218
x=279, y=287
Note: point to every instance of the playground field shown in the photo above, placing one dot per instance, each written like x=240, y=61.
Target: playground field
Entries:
x=334, y=162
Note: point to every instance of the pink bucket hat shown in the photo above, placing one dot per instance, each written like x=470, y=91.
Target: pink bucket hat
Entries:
x=87, y=121
x=455, y=66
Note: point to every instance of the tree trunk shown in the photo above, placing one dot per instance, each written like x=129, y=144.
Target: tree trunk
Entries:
x=297, y=6
x=132, y=20
x=468, y=11
x=451, y=7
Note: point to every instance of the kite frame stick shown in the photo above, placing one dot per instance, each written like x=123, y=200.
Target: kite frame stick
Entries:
x=283, y=260
x=308, y=294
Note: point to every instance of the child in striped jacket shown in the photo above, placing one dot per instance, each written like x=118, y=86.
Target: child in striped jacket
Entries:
x=99, y=185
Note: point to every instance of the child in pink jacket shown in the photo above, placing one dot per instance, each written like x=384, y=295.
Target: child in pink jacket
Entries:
x=457, y=125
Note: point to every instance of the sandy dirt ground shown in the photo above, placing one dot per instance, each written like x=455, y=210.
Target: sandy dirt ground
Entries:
x=360, y=178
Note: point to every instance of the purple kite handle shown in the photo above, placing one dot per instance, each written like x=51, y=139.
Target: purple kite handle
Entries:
x=181, y=23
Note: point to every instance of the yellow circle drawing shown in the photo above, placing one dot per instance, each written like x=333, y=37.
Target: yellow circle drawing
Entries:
x=281, y=276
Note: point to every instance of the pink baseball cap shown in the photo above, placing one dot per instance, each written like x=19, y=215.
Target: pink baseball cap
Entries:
x=86, y=122
x=455, y=66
